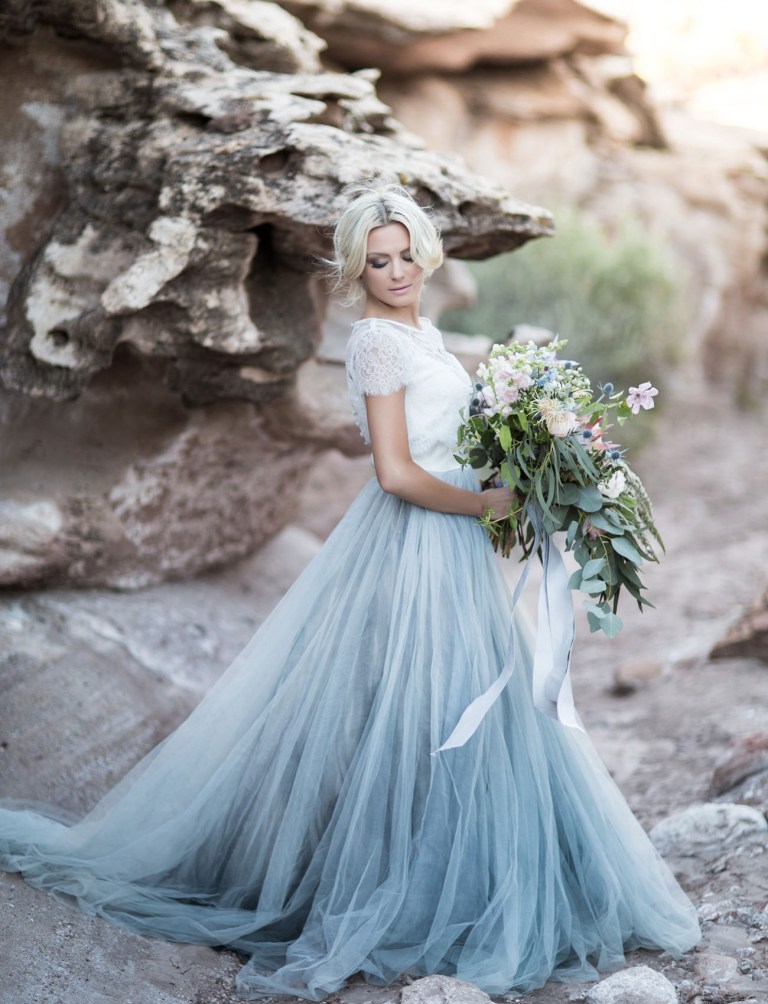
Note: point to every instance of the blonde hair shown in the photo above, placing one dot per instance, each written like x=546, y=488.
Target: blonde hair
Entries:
x=375, y=206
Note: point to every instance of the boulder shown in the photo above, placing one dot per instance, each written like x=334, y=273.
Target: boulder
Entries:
x=748, y=637
x=746, y=756
x=442, y=990
x=717, y=969
x=180, y=168
x=711, y=828
x=639, y=985
x=741, y=773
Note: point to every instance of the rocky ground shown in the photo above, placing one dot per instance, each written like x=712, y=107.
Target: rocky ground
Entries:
x=92, y=678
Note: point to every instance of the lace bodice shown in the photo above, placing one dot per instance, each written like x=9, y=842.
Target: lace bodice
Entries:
x=383, y=356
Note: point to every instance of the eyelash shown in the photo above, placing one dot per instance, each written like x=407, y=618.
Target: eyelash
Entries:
x=383, y=264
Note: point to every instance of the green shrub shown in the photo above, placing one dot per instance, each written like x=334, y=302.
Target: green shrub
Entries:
x=616, y=299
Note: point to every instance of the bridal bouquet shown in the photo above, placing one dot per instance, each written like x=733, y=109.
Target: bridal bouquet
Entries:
x=536, y=424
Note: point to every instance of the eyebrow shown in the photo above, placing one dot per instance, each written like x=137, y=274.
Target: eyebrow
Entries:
x=385, y=254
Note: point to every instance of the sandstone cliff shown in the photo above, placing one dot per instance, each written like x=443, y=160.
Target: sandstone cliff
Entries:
x=173, y=174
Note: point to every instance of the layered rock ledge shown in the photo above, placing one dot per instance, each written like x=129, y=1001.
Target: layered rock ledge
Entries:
x=179, y=170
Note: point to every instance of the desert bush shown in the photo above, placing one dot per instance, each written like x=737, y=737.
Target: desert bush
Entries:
x=617, y=298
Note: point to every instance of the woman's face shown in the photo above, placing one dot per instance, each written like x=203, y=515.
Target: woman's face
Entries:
x=391, y=277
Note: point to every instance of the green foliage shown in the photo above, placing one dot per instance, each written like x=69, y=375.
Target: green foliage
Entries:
x=616, y=299
x=534, y=424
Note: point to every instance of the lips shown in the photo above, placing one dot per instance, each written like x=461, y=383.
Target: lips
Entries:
x=400, y=289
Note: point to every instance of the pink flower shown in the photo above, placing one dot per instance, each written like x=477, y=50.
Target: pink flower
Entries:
x=641, y=397
x=591, y=531
x=509, y=394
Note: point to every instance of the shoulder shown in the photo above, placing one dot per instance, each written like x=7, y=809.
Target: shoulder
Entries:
x=377, y=330
x=379, y=338
x=378, y=355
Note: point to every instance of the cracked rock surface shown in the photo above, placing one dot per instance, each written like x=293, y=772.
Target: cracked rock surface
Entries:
x=175, y=174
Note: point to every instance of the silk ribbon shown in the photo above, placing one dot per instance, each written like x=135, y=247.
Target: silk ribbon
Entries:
x=551, y=685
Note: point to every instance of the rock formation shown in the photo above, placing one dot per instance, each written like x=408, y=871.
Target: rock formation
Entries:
x=179, y=171
x=542, y=95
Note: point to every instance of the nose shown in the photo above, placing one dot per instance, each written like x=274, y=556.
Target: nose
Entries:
x=398, y=268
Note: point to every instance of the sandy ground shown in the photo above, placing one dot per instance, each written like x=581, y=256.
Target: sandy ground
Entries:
x=145, y=659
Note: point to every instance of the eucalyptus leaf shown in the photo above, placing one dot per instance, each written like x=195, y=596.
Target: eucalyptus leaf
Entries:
x=540, y=492
x=628, y=550
x=592, y=586
x=628, y=571
x=592, y=567
x=566, y=457
x=569, y=494
x=550, y=524
x=589, y=499
x=611, y=574
x=595, y=616
x=611, y=624
x=581, y=552
x=598, y=609
x=601, y=522
x=559, y=514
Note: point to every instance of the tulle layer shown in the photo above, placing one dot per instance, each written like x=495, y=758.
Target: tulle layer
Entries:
x=300, y=817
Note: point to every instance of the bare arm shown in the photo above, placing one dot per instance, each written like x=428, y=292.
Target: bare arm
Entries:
x=399, y=475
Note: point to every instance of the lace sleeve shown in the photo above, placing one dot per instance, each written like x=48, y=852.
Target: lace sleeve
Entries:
x=376, y=360
x=377, y=364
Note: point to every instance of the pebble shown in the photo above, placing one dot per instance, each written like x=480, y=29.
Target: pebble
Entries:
x=636, y=673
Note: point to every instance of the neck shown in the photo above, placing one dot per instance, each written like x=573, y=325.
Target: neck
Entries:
x=405, y=315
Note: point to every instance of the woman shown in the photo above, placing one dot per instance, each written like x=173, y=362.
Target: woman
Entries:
x=299, y=814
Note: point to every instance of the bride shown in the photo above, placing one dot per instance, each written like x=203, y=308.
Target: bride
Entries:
x=300, y=815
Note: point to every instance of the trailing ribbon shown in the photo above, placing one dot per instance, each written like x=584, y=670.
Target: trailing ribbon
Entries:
x=552, y=692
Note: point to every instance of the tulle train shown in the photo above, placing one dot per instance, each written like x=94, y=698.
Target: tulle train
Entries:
x=299, y=816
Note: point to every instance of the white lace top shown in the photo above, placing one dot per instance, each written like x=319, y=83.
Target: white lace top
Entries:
x=383, y=356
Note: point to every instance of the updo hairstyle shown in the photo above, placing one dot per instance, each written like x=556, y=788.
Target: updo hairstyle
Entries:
x=375, y=206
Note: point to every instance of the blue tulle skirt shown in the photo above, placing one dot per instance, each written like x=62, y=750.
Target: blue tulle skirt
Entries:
x=299, y=816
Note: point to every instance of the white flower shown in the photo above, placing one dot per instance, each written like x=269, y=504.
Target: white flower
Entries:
x=614, y=486
x=558, y=420
x=561, y=424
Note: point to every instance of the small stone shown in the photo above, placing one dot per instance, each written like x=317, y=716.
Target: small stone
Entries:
x=745, y=958
x=713, y=826
x=443, y=990
x=715, y=968
x=637, y=673
x=639, y=985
